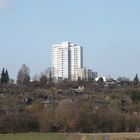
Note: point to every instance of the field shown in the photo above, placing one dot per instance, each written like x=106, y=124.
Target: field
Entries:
x=55, y=136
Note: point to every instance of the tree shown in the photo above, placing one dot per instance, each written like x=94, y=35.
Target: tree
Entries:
x=47, y=119
x=66, y=116
x=79, y=81
x=86, y=116
x=108, y=120
x=4, y=76
x=43, y=81
x=48, y=73
x=123, y=80
x=136, y=80
x=100, y=82
x=23, y=77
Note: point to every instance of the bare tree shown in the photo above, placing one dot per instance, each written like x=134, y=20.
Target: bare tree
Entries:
x=48, y=73
x=43, y=81
x=23, y=77
x=66, y=116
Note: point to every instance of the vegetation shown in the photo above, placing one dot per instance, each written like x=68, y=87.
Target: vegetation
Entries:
x=53, y=110
x=23, y=77
x=65, y=136
x=69, y=106
x=136, y=79
x=4, y=76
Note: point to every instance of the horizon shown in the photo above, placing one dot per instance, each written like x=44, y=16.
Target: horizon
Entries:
x=107, y=30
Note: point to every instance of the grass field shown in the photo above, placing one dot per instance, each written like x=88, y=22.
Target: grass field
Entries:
x=52, y=136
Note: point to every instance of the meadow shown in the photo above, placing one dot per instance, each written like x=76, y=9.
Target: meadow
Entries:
x=66, y=136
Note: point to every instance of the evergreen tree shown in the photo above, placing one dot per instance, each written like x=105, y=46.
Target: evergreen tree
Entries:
x=4, y=76
x=136, y=80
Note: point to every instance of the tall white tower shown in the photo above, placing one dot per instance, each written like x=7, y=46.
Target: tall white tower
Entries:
x=67, y=58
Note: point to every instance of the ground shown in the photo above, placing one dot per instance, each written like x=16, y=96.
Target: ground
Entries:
x=59, y=136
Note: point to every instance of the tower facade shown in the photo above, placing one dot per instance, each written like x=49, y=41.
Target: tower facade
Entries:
x=67, y=58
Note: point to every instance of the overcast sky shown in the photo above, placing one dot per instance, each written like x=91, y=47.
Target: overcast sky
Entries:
x=108, y=30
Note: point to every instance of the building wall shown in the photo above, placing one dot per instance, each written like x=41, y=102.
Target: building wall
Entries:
x=84, y=74
x=94, y=75
x=66, y=59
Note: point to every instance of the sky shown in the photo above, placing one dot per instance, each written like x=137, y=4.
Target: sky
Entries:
x=108, y=30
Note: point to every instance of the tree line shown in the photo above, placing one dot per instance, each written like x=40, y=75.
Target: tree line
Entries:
x=46, y=78
x=95, y=109
x=70, y=116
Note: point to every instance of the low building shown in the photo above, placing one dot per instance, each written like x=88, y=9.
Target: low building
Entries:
x=86, y=74
x=94, y=75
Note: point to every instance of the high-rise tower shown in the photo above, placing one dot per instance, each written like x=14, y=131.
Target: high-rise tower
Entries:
x=67, y=58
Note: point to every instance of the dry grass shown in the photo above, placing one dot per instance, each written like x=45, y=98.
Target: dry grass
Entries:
x=59, y=136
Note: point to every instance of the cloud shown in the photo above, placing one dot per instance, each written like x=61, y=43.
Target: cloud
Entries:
x=4, y=5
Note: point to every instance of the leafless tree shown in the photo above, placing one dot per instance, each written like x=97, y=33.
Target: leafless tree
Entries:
x=23, y=77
